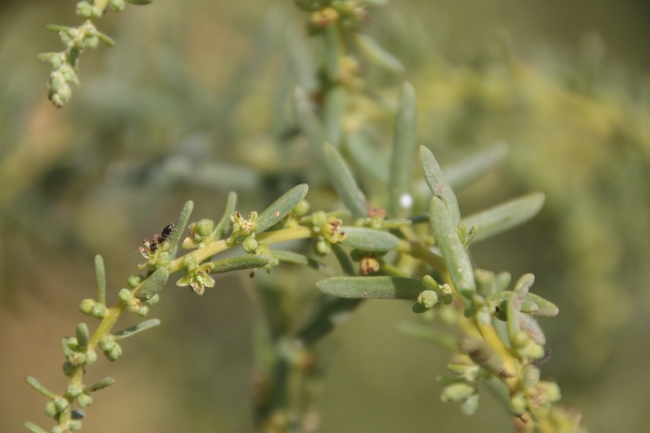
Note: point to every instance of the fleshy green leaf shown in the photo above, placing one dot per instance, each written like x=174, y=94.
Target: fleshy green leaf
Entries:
x=404, y=144
x=239, y=263
x=179, y=227
x=288, y=256
x=29, y=380
x=372, y=287
x=281, y=207
x=378, y=54
x=104, y=383
x=333, y=109
x=224, y=223
x=448, y=342
x=331, y=315
x=100, y=274
x=152, y=285
x=344, y=260
x=139, y=2
x=366, y=239
x=505, y=216
x=344, y=182
x=33, y=427
x=359, y=151
x=307, y=120
x=543, y=308
x=435, y=178
x=332, y=51
x=474, y=167
x=82, y=336
x=451, y=247
x=136, y=329
x=530, y=325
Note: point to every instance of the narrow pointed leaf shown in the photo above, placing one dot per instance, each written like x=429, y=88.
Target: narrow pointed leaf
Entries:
x=307, y=120
x=530, y=325
x=152, y=285
x=330, y=316
x=372, y=287
x=404, y=144
x=333, y=109
x=33, y=427
x=378, y=54
x=366, y=239
x=545, y=308
x=332, y=51
x=438, y=185
x=179, y=227
x=100, y=274
x=56, y=28
x=288, y=256
x=513, y=318
x=239, y=263
x=452, y=248
x=29, y=380
x=503, y=217
x=82, y=336
x=136, y=329
x=344, y=182
x=446, y=341
x=139, y=2
x=104, y=383
x=106, y=39
x=367, y=158
x=474, y=167
x=344, y=260
x=224, y=223
x=281, y=207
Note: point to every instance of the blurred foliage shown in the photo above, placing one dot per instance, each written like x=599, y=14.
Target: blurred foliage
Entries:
x=208, y=84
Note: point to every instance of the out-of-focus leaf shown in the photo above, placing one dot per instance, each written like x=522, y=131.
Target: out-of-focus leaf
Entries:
x=344, y=182
x=474, y=167
x=404, y=144
x=446, y=341
x=331, y=315
x=307, y=120
x=378, y=54
x=435, y=178
x=332, y=51
x=366, y=239
x=505, y=216
x=372, y=287
x=224, y=223
x=281, y=207
x=367, y=158
x=289, y=256
x=333, y=109
x=452, y=248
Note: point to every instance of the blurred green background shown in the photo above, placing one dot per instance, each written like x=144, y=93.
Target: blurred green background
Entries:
x=192, y=102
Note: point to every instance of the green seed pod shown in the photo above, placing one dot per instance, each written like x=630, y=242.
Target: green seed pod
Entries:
x=84, y=9
x=190, y=262
x=134, y=280
x=91, y=357
x=323, y=247
x=143, y=311
x=250, y=244
x=61, y=404
x=84, y=399
x=107, y=343
x=73, y=390
x=470, y=405
x=518, y=404
x=457, y=392
x=301, y=208
x=116, y=5
x=50, y=409
x=98, y=311
x=125, y=296
x=428, y=299
x=204, y=227
x=530, y=376
x=87, y=305
x=67, y=368
x=318, y=219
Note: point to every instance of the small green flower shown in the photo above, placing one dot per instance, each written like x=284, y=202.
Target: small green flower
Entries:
x=242, y=228
x=198, y=276
x=330, y=230
x=201, y=234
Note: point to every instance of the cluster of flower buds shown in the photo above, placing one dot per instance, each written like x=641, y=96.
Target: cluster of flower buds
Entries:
x=328, y=229
x=156, y=251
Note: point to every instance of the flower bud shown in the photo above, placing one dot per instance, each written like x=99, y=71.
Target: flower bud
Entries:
x=125, y=295
x=50, y=409
x=518, y=404
x=84, y=9
x=73, y=391
x=98, y=311
x=323, y=247
x=116, y=5
x=143, y=311
x=134, y=280
x=84, y=399
x=190, y=262
x=87, y=305
x=457, y=392
x=61, y=403
x=91, y=357
x=153, y=300
x=91, y=42
x=250, y=244
x=68, y=367
x=107, y=343
x=301, y=208
x=318, y=219
x=75, y=425
x=428, y=299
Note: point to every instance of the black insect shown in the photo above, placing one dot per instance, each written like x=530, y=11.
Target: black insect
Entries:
x=166, y=232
